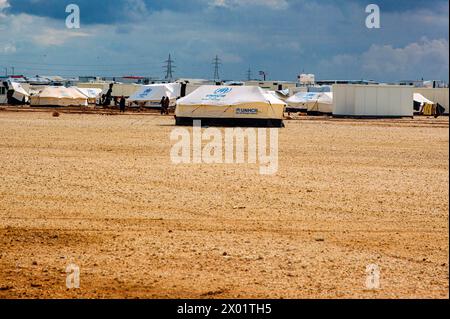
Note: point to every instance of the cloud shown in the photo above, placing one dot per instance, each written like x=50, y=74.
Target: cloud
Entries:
x=7, y=48
x=135, y=9
x=273, y=4
x=4, y=4
x=425, y=58
x=50, y=36
x=282, y=37
x=92, y=12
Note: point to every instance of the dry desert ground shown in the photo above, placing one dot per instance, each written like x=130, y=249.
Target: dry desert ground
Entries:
x=100, y=191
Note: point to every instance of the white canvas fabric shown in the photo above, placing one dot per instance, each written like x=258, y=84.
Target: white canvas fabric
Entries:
x=248, y=103
x=312, y=101
x=421, y=99
x=152, y=94
x=20, y=93
x=59, y=96
x=273, y=98
x=39, y=81
x=90, y=93
x=311, y=97
x=228, y=95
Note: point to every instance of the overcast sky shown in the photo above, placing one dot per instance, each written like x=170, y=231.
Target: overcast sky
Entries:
x=282, y=37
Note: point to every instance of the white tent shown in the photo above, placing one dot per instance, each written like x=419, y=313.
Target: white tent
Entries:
x=281, y=95
x=59, y=96
x=419, y=98
x=440, y=96
x=273, y=98
x=247, y=105
x=151, y=95
x=92, y=94
x=39, y=80
x=321, y=102
x=423, y=105
x=20, y=94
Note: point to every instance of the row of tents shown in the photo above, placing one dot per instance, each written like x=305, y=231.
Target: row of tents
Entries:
x=244, y=105
x=53, y=95
x=146, y=96
x=151, y=95
x=307, y=102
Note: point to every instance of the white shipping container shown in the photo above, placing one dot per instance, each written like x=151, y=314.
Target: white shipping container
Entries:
x=372, y=100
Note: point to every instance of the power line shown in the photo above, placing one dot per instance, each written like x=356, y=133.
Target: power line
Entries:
x=216, y=63
x=169, y=68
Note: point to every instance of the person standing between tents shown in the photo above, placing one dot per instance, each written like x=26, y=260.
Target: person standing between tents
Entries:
x=163, y=105
x=167, y=105
x=106, y=101
x=122, y=104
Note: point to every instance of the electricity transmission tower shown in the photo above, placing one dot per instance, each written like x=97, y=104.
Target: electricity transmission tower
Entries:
x=169, y=68
x=216, y=63
x=249, y=74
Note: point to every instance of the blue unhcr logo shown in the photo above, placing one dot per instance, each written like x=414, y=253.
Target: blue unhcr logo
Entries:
x=223, y=91
x=145, y=93
x=218, y=94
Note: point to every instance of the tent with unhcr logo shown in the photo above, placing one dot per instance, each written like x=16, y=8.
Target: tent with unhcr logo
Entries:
x=230, y=106
x=151, y=95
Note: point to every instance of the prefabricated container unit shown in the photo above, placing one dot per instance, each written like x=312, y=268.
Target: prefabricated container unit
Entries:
x=125, y=90
x=272, y=85
x=372, y=101
x=3, y=91
x=119, y=89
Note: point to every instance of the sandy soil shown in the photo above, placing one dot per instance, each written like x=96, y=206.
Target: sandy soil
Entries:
x=101, y=192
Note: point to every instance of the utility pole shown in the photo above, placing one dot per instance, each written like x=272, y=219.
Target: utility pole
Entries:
x=12, y=68
x=169, y=68
x=216, y=63
x=249, y=74
x=6, y=71
x=263, y=74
